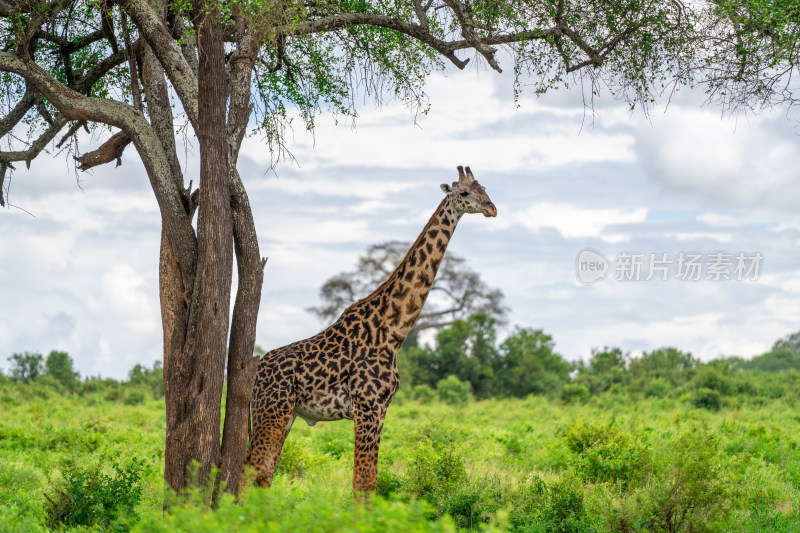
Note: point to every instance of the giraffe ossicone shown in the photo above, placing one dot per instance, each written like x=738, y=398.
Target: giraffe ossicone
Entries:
x=349, y=370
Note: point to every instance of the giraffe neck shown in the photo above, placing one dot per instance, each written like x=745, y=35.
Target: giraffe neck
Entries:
x=402, y=296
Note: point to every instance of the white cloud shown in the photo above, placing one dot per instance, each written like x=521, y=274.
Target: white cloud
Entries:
x=739, y=163
x=572, y=221
x=700, y=236
x=123, y=293
x=469, y=123
x=83, y=277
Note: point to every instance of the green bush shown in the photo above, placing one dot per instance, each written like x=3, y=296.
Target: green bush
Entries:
x=44, y=386
x=113, y=394
x=512, y=443
x=437, y=474
x=388, y=483
x=335, y=442
x=434, y=468
x=423, y=393
x=473, y=502
x=134, y=398
x=574, y=393
x=580, y=436
x=657, y=388
x=88, y=496
x=317, y=511
x=453, y=391
x=602, y=453
x=565, y=510
x=692, y=490
x=153, y=378
x=529, y=504
x=295, y=460
x=713, y=378
x=707, y=399
x=93, y=385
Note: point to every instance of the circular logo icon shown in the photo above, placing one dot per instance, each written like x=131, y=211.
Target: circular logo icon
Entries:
x=591, y=266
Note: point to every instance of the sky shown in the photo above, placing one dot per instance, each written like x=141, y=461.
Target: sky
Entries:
x=79, y=251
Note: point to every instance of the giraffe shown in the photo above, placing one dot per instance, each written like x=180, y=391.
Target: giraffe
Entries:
x=349, y=370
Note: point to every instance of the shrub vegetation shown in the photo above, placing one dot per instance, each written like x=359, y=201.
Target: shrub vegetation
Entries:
x=657, y=443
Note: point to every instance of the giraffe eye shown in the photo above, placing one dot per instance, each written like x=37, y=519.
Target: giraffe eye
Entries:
x=464, y=193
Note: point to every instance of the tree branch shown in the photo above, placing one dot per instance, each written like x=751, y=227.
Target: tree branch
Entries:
x=469, y=35
x=155, y=31
x=134, y=72
x=111, y=150
x=74, y=106
x=37, y=146
x=240, y=78
x=160, y=112
x=67, y=46
x=337, y=22
x=417, y=31
x=24, y=105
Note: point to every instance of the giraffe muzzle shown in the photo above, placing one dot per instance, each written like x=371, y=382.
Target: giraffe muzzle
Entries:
x=490, y=211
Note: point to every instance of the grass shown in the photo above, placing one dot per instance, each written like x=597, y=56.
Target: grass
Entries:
x=612, y=464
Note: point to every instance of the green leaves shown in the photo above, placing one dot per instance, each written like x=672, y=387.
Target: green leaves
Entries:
x=87, y=495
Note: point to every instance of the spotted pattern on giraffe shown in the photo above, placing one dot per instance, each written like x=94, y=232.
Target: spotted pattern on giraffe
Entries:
x=349, y=370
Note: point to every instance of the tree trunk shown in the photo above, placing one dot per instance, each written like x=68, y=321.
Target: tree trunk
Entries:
x=195, y=353
x=241, y=363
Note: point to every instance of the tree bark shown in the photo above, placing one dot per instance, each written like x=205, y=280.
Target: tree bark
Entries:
x=241, y=363
x=193, y=428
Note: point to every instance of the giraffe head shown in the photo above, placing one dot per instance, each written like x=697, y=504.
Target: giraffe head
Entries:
x=469, y=196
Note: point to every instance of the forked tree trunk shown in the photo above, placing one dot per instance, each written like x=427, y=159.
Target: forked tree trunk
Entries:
x=195, y=320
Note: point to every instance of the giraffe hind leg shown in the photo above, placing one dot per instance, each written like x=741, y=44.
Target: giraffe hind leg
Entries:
x=273, y=452
x=271, y=425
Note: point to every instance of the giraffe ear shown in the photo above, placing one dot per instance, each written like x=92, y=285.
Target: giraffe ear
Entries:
x=446, y=188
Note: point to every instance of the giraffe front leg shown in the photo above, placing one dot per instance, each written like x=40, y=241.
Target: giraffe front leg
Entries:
x=368, y=427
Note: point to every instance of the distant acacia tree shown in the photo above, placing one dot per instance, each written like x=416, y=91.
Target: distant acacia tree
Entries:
x=26, y=366
x=457, y=292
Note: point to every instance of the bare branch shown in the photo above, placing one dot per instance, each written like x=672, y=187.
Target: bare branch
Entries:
x=3, y=168
x=468, y=32
x=422, y=14
x=155, y=31
x=134, y=72
x=37, y=146
x=111, y=150
x=337, y=22
x=72, y=131
x=84, y=84
x=108, y=25
x=25, y=104
x=68, y=46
